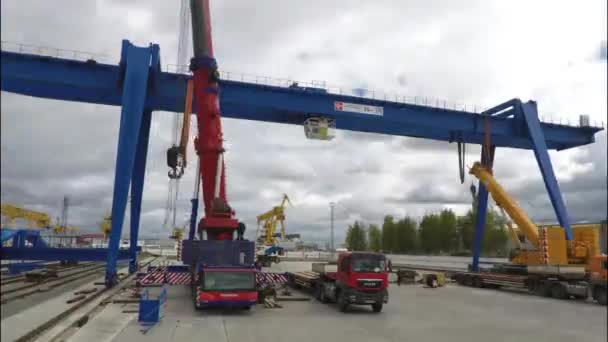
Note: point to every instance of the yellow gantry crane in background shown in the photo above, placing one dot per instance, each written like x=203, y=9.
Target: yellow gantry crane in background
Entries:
x=34, y=218
x=59, y=229
x=267, y=223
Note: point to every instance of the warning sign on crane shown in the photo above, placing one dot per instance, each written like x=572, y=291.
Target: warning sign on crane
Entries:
x=358, y=108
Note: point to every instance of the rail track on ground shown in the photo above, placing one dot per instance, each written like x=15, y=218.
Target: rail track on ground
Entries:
x=75, y=314
x=51, y=267
x=21, y=288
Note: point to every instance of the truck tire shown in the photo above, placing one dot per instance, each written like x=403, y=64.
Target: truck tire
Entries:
x=559, y=291
x=599, y=294
x=477, y=282
x=377, y=307
x=318, y=292
x=322, y=297
x=342, y=303
x=542, y=289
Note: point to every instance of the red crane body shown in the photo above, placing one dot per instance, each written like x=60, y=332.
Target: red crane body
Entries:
x=219, y=222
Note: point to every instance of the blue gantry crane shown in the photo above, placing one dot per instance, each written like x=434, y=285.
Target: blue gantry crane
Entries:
x=139, y=87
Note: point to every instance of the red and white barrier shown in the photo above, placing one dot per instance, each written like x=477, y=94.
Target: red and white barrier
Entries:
x=160, y=276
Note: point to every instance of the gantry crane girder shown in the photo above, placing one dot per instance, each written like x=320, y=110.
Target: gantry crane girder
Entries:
x=34, y=218
x=138, y=85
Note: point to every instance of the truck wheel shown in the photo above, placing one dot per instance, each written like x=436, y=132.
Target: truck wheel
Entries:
x=477, y=282
x=541, y=289
x=558, y=291
x=247, y=307
x=318, y=292
x=600, y=295
x=342, y=303
x=322, y=297
x=377, y=307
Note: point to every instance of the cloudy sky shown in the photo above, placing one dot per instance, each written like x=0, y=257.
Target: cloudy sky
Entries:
x=474, y=52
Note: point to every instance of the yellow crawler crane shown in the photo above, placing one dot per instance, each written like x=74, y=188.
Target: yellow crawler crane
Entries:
x=549, y=245
x=267, y=223
x=34, y=218
x=543, y=261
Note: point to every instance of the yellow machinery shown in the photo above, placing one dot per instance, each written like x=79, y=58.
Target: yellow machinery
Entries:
x=59, y=229
x=35, y=219
x=177, y=234
x=267, y=223
x=106, y=225
x=548, y=244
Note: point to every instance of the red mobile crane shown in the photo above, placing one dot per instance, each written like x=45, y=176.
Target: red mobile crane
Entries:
x=222, y=272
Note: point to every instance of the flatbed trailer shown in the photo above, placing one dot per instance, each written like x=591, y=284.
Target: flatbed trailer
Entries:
x=348, y=285
x=550, y=284
x=326, y=288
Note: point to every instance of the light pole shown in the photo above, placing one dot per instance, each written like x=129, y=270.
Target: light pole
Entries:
x=331, y=239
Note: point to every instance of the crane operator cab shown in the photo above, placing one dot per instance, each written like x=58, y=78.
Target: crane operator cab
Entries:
x=320, y=128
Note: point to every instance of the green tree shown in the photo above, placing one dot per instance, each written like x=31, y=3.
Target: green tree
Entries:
x=406, y=236
x=465, y=229
x=429, y=233
x=495, y=236
x=374, y=237
x=388, y=234
x=447, y=230
x=356, y=239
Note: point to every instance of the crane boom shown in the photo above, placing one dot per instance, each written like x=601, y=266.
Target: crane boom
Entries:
x=505, y=201
x=219, y=222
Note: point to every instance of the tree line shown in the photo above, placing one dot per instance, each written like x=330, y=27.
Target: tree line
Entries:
x=442, y=233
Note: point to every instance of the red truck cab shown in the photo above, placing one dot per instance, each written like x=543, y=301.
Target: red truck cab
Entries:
x=227, y=287
x=361, y=279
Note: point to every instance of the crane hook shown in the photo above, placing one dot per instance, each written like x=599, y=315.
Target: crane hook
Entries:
x=174, y=161
x=461, y=160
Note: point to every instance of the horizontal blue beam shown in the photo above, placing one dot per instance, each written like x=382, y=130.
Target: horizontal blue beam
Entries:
x=92, y=82
x=59, y=254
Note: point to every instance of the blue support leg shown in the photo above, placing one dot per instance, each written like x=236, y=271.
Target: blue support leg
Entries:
x=544, y=163
x=137, y=186
x=137, y=64
x=487, y=159
x=480, y=222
